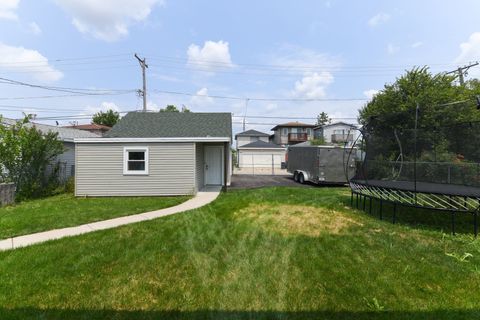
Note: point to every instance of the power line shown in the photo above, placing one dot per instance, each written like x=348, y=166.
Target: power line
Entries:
x=63, y=89
x=298, y=118
x=257, y=99
x=463, y=71
x=61, y=96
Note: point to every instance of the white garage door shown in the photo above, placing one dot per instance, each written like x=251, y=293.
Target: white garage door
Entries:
x=260, y=160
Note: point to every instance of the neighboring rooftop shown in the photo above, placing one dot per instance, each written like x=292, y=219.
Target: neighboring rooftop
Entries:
x=251, y=133
x=172, y=125
x=336, y=124
x=64, y=134
x=293, y=124
x=261, y=145
x=90, y=126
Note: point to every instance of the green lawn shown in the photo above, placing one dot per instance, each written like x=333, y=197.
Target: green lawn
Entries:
x=274, y=253
x=65, y=211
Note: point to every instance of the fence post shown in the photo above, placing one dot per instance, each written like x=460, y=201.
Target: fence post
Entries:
x=273, y=165
x=253, y=164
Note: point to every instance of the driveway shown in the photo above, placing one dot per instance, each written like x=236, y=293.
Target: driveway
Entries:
x=250, y=181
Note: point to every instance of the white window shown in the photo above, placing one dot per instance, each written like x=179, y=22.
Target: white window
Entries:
x=135, y=160
x=285, y=131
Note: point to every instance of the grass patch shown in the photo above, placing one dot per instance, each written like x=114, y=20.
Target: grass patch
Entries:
x=273, y=253
x=65, y=210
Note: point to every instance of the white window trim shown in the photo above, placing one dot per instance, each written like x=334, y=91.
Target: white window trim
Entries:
x=126, y=150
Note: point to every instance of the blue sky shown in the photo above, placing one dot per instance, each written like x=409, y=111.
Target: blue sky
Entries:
x=284, y=50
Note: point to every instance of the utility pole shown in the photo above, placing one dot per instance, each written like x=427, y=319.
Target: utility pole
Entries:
x=245, y=115
x=462, y=72
x=143, y=92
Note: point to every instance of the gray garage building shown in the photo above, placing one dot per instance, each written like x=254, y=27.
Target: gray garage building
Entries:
x=156, y=154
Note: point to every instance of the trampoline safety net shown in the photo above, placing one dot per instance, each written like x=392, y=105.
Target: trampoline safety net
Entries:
x=424, y=166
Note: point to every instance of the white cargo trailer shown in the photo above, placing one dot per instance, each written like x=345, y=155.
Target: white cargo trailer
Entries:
x=321, y=164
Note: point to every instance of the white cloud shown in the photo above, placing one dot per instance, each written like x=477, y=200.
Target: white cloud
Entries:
x=271, y=106
x=152, y=106
x=212, y=56
x=370, y=93
x=392, y=49
x=107, y=20
x=417, y=44
x=298, y=58
x=312, y=85
x=469, y=52
x=34, y=28
x=19, y=59
x=315, y=68
x=8, y=8
x=104, y=106
x=378, y=19
x=202, y=98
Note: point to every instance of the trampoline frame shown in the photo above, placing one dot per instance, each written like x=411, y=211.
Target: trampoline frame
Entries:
x=420, y=199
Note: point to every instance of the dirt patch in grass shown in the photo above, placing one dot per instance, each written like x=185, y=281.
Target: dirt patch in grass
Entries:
x=297, y=219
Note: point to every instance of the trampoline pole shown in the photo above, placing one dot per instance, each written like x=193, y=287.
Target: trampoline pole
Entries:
x=364, y=200
x=381, y=207
x=394, y=212
x=370, y=205
x=453, y=222
x=357, y=199
x=351, y=199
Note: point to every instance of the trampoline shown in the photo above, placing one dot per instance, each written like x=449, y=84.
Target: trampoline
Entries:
x=432, y=167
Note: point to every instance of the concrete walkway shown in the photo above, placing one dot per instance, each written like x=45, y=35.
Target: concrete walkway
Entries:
x=202, y=198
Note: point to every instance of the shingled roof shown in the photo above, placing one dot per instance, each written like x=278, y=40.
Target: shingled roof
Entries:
x=259, y=144
x=293, y=124
x=172, y=125
x=251, y=133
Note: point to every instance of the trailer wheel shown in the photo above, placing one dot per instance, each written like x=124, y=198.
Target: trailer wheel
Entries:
x=295, y=176
x=301, y=178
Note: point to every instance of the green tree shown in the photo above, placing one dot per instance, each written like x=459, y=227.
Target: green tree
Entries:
x=323, y=119
x=173, y=108
x=27, y=158
x=397, y=102
x=393, y=109
x=107, y=118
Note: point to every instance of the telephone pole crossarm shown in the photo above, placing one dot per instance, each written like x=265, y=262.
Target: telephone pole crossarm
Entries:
x=462, y=72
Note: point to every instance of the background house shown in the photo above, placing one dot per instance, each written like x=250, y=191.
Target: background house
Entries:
x=67, y=135
x=249, y=136
x=98, y=129
x=156, y=154
x=292, y=133
x=338, y=132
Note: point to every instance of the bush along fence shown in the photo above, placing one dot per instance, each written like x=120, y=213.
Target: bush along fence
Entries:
x=7, y=193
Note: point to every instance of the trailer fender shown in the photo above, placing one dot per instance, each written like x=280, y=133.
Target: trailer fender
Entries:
x=305, y=174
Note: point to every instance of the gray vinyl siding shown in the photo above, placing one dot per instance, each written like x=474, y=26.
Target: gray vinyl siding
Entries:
x=99, y=170
x=199, y=165
x=67, y=159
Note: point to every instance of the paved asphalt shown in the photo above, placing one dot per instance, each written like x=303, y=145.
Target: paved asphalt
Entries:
x=244, y=181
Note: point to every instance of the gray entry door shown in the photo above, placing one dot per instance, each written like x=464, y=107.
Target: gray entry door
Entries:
x=213, y=165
